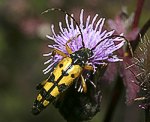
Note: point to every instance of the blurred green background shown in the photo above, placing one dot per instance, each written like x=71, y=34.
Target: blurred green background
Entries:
x=22, y=44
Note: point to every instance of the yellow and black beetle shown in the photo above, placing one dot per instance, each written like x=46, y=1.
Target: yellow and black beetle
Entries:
x=65, y=72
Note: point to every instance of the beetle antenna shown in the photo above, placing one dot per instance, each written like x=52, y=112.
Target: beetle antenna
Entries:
x=58, y=9
x=113, y=36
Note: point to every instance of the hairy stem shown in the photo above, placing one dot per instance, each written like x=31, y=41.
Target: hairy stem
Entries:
x=142, y=32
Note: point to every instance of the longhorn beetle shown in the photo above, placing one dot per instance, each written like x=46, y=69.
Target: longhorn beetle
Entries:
x=65, y=72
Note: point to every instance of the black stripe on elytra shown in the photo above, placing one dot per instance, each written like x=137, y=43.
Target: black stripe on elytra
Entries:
x=51, y=78
x=39, y=105
x=64, y=73
x=46, y=95
x=62, y=87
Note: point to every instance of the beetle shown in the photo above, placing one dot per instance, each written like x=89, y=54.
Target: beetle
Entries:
x=65, y=73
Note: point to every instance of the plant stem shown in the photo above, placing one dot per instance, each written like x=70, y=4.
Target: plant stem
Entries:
x=116, y=94
x=147, y=114
x=142, y=32
x=138, y=11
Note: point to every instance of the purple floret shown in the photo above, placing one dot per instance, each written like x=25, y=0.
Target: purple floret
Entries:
x=92, y=34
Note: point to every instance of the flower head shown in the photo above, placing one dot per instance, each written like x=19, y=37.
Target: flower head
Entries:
x=93, y=35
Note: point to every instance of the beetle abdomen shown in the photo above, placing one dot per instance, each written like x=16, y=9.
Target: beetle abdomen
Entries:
x=60, y=79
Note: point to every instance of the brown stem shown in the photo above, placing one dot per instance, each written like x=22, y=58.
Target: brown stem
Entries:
x=138, y=11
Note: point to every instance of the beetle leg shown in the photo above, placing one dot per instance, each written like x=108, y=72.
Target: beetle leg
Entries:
x=88, y=67
x=83, y=84
x=69, y=50
x=56, y=51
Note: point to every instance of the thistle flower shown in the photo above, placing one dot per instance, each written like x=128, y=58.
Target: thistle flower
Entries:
x=92, y=35
x=76, y=106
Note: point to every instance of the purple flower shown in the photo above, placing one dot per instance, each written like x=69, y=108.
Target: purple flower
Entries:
x=92, y=34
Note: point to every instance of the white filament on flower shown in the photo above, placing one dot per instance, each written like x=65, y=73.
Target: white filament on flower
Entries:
x=93, y=33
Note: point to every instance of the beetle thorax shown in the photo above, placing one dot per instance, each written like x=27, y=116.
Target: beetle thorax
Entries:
x=81, y=56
